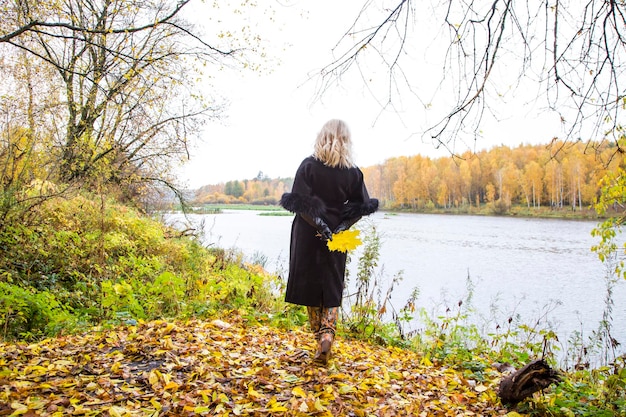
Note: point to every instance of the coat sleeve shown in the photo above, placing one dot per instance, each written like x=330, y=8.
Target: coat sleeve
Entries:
x=360, y=204
x=301, y=199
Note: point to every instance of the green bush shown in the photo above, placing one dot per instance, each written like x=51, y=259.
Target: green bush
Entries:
x=119, y=298
x=108, y=263
x=28, y=314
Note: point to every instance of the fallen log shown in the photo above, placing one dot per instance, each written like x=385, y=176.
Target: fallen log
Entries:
x=523, y=383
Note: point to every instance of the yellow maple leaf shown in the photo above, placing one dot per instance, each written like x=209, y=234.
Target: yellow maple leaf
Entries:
x=344, y=241
x=298, y=392
x=153, y=377
x=171, y=385
x=253, y=393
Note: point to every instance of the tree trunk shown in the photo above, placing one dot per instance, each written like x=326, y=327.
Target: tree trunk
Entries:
x=521, y=384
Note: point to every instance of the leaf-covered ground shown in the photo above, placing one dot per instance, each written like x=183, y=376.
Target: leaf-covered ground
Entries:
x=216, y=368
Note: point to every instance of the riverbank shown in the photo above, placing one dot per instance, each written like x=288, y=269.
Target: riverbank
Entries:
x=484, y=210
x=515, y=211
x=533, y=270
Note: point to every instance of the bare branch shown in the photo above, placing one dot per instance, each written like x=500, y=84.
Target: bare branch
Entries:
x=586, y=44
x=36, y=24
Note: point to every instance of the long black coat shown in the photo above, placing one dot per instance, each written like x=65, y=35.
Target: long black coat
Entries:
x=316, y=275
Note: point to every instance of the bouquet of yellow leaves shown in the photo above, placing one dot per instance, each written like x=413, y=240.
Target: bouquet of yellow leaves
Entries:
x=344, y=241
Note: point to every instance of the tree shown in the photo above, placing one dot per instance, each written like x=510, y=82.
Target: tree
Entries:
x=465, y=172
x=25, y=142
x=570, y=53
x=553, y=181
x=533, y=173
x=400, y=186
x=450, y=182
x=128, y=103
x=613, y=197
x=234, y=188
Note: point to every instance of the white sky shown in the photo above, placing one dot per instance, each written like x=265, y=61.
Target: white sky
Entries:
x=272, y=120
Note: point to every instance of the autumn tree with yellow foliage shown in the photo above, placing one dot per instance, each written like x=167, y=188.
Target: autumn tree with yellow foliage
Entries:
x=536, y=177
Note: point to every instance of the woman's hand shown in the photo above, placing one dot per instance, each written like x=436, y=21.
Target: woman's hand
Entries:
x=322, y=229
x=346, y=224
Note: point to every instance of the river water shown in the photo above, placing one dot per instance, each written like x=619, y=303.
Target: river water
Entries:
x=536, y=270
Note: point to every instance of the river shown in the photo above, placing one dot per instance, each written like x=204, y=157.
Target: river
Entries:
x=536, y=270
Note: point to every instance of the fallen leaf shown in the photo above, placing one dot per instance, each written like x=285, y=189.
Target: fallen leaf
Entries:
x=217, y=368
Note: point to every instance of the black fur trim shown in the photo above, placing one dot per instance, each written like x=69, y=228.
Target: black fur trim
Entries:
x=366, y=208
x=305, y=204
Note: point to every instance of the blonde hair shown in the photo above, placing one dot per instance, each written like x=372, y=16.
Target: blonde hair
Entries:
x=334, y=145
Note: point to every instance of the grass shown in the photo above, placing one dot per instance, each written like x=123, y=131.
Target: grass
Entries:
x=515, y=211
x=484, y=210
x=258, y=207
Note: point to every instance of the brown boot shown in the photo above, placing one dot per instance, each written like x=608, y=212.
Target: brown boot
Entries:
x=315, y=319
x=324, y=348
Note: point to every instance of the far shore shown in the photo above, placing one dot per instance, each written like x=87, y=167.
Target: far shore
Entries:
x=485, y=210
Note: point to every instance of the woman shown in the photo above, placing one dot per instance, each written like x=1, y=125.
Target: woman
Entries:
x=328, y=196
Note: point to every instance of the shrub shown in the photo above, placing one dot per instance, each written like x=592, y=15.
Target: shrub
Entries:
x=28, y=314
x=365, y=314
x=106, y=262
